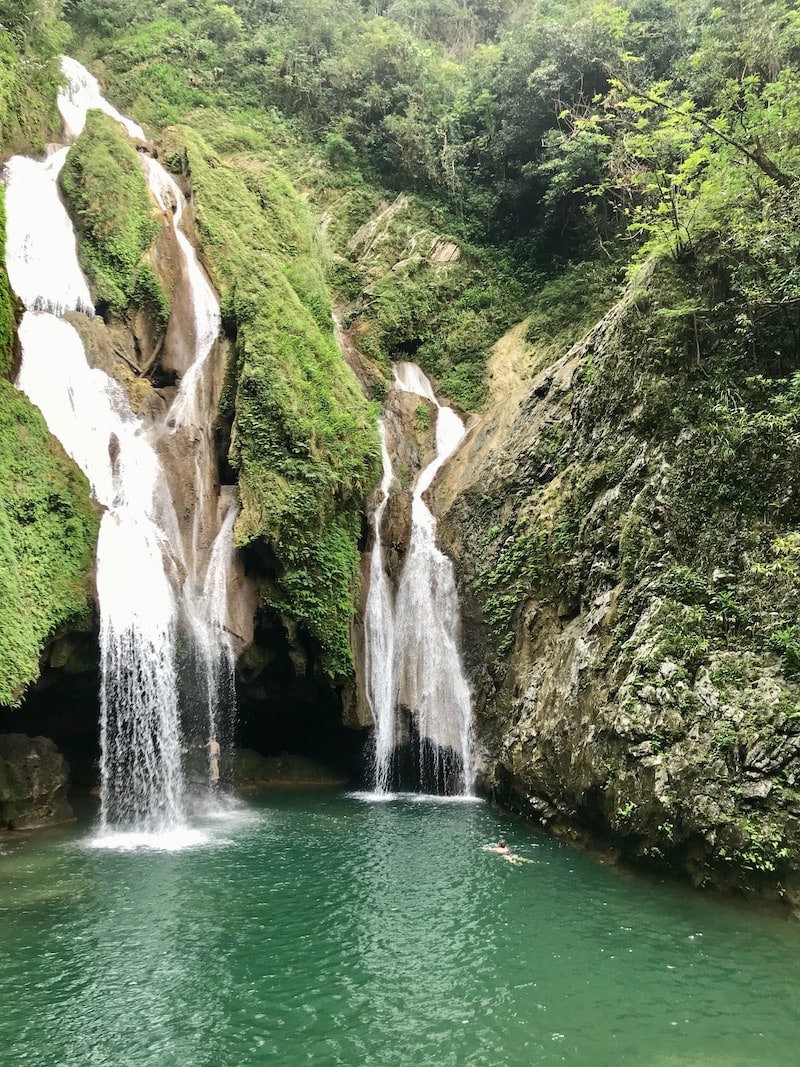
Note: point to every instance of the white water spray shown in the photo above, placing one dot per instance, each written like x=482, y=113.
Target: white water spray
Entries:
x=150, y=586
x=413, y=658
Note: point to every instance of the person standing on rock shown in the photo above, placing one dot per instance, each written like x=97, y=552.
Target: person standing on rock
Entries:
x=214, y=753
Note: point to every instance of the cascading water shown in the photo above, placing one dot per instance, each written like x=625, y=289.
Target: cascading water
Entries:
x=151, y=586
x=207, y=554
x=412, y=651
x=379, y=637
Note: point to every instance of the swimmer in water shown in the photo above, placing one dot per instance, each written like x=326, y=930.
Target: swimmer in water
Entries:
x=502, y=849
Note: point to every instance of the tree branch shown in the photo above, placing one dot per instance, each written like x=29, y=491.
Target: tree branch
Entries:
x=755, y=154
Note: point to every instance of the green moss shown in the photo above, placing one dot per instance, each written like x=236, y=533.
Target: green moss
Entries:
x=107, y=195
x=29, y=77
x=7, y=302
x=48, y=530
x=304, y=439
x=148, y=293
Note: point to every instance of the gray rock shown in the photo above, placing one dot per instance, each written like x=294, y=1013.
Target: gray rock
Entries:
x=33, y=783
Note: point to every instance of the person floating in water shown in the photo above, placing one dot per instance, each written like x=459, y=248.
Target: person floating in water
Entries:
x=214, y=752
x=502, y=849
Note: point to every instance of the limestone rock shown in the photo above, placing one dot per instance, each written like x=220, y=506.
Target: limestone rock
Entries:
x=617, y=698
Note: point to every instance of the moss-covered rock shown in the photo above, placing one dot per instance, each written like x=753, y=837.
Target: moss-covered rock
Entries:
x=29, y=77
x=115, y=218
x=9, y=308
x=303, y=438
x=48, y=530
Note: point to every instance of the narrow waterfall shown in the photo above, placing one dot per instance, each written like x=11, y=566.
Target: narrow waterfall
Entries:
x=206, y=554
x=412, y=650
x=379, y=638
x=158, y=590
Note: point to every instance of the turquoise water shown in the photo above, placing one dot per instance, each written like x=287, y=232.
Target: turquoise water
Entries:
x=321, y=928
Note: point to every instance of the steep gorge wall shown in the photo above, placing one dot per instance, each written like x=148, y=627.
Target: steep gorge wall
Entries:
x=624, y=526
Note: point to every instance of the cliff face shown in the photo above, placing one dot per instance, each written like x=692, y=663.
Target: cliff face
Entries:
x=624, y=530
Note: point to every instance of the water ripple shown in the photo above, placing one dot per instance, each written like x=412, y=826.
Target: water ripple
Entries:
x=338, y=931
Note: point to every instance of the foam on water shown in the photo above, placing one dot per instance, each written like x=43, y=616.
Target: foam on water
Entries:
x=176, y=840
x=378, y=797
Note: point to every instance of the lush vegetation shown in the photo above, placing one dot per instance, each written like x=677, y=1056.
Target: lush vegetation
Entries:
x=48, y=531
x=7, y=304
x=31, y=42
x=106, y=192
x=303, y=437
x=545, y=136
x=560, y=146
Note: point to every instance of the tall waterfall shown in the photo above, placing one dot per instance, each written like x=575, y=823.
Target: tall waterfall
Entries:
x=158, y=590
x=379, y=637
x=412, y=648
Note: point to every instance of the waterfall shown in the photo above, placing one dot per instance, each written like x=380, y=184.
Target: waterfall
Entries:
x=204, y=601
x=158, y=592
x=379, y=637
x=412, y=650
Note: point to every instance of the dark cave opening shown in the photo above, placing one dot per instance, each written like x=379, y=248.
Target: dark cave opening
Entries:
x=280, y=709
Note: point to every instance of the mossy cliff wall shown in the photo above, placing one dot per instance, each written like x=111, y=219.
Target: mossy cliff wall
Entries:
x=9, y=307
x=303, y=440
x=29, y=77
x=116, y=220
x=628, y=549
x=48, y=530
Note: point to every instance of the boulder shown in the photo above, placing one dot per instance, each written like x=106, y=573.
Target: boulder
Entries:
x=33, y=783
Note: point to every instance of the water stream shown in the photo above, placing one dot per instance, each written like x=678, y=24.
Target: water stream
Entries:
x=379, y=642
x=412, y=655
x=160, y=589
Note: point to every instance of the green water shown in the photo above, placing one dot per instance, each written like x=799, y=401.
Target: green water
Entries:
x=319, y=928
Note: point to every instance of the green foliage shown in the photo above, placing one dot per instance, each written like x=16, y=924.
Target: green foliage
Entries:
x=148, y=293
x=756, y=845
x=7, y=302
x=447, y=317
x=304, y=441
x=107, y=195
x=31, y=40
x=339, y=153
x=786, y=642
x=422, y=417
x=564, y=307
x=48, y=530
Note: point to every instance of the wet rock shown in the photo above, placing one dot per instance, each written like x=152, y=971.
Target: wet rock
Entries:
x=252, y=771
x=33, y=783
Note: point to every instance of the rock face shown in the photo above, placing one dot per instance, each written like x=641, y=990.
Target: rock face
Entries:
x=33, y=783
x=628, y=587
